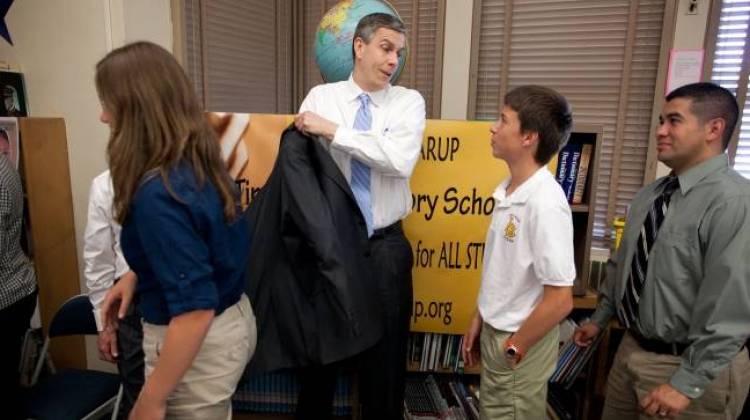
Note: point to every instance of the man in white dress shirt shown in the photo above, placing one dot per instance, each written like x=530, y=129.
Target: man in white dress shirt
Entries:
x=105, y=264
x=374, y=133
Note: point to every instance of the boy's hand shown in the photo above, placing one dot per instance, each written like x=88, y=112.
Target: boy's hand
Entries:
x=470, y=349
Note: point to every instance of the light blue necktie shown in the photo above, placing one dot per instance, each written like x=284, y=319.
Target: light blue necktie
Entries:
x=360, y=172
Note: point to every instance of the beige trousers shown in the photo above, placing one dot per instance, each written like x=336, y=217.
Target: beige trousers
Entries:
x=206, y=389
x=635, y=372
x=519, y=393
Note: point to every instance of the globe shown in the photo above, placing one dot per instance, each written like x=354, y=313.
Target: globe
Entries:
x=333, y=40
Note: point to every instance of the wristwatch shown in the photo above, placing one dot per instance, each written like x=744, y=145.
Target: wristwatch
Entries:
x=512, y=351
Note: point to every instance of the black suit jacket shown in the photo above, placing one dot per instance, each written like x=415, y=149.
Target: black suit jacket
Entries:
x=309, y=276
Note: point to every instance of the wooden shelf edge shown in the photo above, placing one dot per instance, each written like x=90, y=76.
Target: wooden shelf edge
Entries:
x=414, y=367
x=587, y=301
x=579, y=208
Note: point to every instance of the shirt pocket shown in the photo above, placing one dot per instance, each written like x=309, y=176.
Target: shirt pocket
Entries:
x=676, y=256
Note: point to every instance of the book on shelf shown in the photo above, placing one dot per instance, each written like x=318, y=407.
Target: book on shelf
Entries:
x=562, y=162
x=571, y=360
x=572, y=170
x=567, y=165
x=417, y=400
x=583, y=169
x=428, y=398
x=438, y=398
x=276, y=392
x=435, y=351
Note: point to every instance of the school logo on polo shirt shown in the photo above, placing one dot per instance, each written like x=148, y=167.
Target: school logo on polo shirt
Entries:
x=511, y=228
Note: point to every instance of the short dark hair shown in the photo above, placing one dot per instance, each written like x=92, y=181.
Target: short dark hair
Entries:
x=370, y=24
x=545, y=112
x=709, y=101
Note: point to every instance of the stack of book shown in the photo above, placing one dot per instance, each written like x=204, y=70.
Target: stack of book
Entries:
x=276, y=392
x=572, y=170
x=572, y=359
x=433, y=351
x=429, y=399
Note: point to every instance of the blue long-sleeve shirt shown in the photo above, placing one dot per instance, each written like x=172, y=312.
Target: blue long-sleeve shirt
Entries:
x=185, y=255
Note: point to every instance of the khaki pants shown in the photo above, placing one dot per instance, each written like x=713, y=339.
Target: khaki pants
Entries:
x=206, y=389
x=636, y=372
x=519, y=393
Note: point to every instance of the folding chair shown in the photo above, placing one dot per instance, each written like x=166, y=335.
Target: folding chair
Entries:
x=71, y=394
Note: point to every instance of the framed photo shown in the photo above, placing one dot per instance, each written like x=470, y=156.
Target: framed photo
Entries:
x=13, y=95
x=9, y=140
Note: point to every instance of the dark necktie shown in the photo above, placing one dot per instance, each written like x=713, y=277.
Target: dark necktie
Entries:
x=628, y=310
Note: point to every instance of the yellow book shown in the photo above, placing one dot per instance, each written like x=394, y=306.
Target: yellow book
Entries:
x=583, y=168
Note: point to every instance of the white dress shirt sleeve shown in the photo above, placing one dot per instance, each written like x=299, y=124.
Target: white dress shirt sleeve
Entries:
x=394, y=151
x=310, y=103
x=103, y=260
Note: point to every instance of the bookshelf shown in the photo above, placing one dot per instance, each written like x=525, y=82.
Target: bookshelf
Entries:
x=583, y=213
x=414, y=367
x=50, y=230
x=587, y=301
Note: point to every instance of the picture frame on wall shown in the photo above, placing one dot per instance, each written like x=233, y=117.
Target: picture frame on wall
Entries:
x=9, y=140
x=13, y=95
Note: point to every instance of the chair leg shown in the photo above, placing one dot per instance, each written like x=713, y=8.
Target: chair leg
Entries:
x=116, y=409
x=101, y=412
x=42, y=358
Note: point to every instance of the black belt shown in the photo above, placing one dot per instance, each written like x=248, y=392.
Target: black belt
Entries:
x=388, y=230
x=658, y=346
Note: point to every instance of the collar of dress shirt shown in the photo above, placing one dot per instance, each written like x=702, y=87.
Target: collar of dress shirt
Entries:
x=353, y=92
x=694, y=175
x=522, y=193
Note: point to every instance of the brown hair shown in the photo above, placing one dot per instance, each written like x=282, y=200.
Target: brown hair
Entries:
x=157, y=123
x=545, y=112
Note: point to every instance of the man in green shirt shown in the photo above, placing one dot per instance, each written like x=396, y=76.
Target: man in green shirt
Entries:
x=680, y=284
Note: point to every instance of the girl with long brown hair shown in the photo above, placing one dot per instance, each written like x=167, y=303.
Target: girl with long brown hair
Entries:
x=181, y=234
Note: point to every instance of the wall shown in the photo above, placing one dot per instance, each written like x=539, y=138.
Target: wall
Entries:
x=456, y=59
x=56, y=46
x=690, y=33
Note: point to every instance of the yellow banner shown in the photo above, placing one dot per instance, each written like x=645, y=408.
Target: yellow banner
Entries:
x=452, y=188
x=249, y=144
